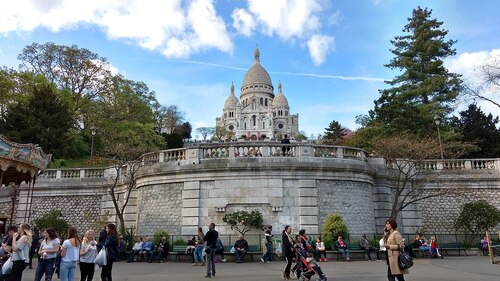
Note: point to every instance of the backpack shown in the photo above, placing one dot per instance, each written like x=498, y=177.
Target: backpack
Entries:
x=218, y=244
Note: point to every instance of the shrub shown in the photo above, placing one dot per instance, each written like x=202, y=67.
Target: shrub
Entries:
x=158, y=235
x=52, y=219
x=475, y=218
x=334, y=226
x=243, y=221
x=180, y=242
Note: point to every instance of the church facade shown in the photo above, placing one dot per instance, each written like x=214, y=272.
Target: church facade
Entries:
x=258, y=114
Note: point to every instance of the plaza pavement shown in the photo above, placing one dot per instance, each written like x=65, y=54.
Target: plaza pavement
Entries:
x=460, y=268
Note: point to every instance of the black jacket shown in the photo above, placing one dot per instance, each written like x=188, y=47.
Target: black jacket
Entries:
x=210, y=238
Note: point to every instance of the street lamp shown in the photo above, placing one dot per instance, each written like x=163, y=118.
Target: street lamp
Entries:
x=437, y=121
x=93, y=131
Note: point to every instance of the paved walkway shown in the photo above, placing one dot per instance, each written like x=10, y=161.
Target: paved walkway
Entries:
x=475, y=268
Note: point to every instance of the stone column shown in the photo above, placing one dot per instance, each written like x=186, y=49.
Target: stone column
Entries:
x=190, y=208
x=308, y=206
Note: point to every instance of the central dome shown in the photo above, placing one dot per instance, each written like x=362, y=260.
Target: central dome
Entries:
x=257, y=76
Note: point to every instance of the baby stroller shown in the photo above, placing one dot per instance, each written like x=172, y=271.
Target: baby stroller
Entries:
x=307, y=267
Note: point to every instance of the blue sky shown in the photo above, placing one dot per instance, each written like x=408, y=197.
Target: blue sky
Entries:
x=328, y=55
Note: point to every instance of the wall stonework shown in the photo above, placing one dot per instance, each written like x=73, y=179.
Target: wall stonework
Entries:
x=439, y=213
x=78, y=211
x=159, y=208
x=352, y=200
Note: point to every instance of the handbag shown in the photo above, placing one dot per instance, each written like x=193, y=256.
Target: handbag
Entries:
x=404, y=260
x=102, y=258
x=7, y=267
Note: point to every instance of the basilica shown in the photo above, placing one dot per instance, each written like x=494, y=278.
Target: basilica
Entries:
x=258, y=114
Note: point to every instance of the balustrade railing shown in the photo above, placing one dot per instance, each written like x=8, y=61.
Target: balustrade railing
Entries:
x=461, y=164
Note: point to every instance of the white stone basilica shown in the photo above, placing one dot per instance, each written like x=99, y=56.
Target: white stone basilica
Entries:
x=258, y=114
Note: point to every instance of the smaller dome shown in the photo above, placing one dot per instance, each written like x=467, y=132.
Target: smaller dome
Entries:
x=232, y=100
x=280, y=99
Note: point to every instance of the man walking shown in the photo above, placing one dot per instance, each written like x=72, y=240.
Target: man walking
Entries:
x=210, y=237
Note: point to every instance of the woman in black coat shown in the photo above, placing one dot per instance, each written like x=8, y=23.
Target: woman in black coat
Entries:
x=287, y=242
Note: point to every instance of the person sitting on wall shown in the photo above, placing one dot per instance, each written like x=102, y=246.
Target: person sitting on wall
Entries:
x=341, y=247
x=365, y=244
x=135, y=250
x=240, y=248
x=285, y=149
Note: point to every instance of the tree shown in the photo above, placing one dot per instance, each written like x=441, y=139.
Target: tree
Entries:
x=243, y=221
x=205, y=131
x=44, y=119
x=480, y=129
x=184, y=130
x=425, y=87
x=334, y=133
x=489, y=86
x=125, y=142
x=85, y=74
x=54, y=219
x=301, y=136
x=173, y=118
x=333, y=227
x=221, y=133
x=406, y=157
x=476, y=218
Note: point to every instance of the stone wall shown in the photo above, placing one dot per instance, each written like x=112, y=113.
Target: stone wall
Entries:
x=159, y=208
x=81, y=212
x=439, y=213
x=352, y=200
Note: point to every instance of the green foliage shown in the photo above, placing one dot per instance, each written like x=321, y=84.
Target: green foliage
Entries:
x=172, y=140
x=53, y=219
x=180, y=242
x=129, y=237
x=424, y=87
x=158, y=235
x=333, y=227
x=480, y=129
x=476, y=218
x=334, y=133
x=243, y=221
x=300, y=136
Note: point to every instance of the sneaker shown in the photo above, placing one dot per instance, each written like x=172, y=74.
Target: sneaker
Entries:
x=195, y=263
x=208, y=276
x=223, y=260
x=325, y=259
x=262, y=259
x=269, y=262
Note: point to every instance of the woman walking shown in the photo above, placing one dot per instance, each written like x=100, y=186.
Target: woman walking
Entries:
x=111, y=246
x=287, y=249
x=20, y=252
x=394, y=243
x=70, y=253
x=88, y=252
x=47, y=253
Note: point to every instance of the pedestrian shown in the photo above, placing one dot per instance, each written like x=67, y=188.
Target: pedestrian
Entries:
x=21, y=243
x=394, y=243
x=210, y=239
x=266, y=258
x=47, y=252
x=70, y=253
x=111, y=246
x=287, y=249
x=88, y=252
x=285, y=149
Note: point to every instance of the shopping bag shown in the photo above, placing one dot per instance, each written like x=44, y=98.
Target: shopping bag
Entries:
x=102, y=258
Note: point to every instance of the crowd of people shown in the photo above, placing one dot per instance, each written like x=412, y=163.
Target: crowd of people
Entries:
x=56, y=257
x=61, y=257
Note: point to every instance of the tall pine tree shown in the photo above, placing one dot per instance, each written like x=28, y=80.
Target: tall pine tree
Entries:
x=424, y=87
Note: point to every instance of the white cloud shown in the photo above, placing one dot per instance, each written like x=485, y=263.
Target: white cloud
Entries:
x=469, y=66
x=172, y=27
x=243, y=22
x=319, y=46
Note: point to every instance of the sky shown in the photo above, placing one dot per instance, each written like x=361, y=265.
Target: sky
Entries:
x=328, y=55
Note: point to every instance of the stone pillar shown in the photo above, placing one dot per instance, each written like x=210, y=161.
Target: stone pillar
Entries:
x=193, y=156
x=190, y=208
x=308, y=206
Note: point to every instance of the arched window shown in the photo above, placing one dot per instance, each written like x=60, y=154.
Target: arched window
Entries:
x=254, y=120
x=261, y=101
x=265, y=101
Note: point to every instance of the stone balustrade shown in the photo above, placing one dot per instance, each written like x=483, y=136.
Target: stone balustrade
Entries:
x=462, y=164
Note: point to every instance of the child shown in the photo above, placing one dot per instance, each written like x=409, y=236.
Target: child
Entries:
x=434, y=249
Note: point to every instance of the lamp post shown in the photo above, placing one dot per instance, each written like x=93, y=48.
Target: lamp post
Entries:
x=437, y=121
x=93, y=131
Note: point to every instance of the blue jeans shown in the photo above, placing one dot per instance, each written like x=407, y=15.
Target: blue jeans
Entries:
x=198, y=254
x=67, y=270
x=267, y=255
x=45, y=266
